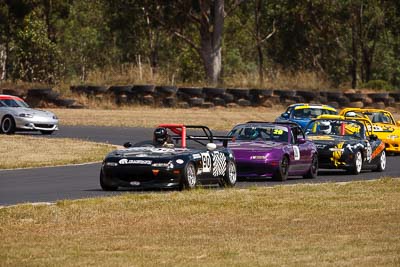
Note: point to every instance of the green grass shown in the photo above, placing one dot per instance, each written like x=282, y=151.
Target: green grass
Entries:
x=354, y=224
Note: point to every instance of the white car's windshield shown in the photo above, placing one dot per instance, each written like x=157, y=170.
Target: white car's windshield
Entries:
x=13, y=103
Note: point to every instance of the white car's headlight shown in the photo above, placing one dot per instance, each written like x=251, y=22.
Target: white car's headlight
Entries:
x=55, y=117
x=25, y=115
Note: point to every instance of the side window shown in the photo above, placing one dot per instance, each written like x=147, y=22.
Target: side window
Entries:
x=296, y=134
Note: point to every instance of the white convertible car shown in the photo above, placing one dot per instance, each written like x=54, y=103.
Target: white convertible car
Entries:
x=16, y=115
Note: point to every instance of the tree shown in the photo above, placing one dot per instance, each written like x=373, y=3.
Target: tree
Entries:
x=207, y=17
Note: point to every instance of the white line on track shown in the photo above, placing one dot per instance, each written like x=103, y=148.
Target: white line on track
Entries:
x=56, y=166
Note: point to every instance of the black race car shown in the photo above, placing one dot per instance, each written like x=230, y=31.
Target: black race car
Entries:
x=173, y=159
x=343, y=144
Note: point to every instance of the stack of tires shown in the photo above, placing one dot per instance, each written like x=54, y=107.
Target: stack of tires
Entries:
x=42, y=97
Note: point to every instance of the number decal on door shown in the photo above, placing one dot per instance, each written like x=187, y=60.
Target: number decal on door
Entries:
x=296, y=151
x=206, y=159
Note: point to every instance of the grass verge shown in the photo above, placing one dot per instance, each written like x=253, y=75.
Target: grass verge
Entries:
x=24, y=151
x=353, y=224
x=216, y=119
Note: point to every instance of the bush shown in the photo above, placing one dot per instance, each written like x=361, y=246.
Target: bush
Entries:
x=377, y=84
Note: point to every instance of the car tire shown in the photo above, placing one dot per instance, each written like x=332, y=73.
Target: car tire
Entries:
x=189, y=177
x=382, y=162
x=357, y=163
x=104, y=185
x=44, y=132
x=281, y=173
x=230, y=177
x=313, y=171
x=8, y=125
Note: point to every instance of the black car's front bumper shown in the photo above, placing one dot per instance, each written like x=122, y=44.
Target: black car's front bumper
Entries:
x=327, y=160
x=141, y=177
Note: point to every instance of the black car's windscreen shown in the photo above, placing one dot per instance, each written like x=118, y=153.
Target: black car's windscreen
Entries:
x=300, y=113
x=274, y=133
x=14, y=103
x=336, y=127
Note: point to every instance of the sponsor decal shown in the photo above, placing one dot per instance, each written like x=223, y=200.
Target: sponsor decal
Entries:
x=337, y=154
x=134, y=161
x=378, y=150
x=296, y=151
x=369, y=152
x=179, y=161
x=196, y=156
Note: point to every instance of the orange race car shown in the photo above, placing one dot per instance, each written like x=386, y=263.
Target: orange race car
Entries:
x=383, y=125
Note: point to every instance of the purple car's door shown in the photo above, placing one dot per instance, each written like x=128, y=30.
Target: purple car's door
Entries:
x=300, y=151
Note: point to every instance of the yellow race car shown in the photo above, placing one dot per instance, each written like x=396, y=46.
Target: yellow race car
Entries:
x=383, y=125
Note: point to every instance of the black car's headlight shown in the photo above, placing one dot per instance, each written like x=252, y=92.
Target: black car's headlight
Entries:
x=110, y=164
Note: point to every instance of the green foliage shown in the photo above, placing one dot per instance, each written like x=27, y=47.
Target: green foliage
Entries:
x=377, y=84
x=49, y=41
x=36, y=57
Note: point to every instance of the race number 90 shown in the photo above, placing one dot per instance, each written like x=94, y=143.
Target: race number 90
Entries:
x=206, y=159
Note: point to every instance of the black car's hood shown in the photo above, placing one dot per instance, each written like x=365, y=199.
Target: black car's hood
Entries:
x=151, y=152
x=323, y=142
x=332, y=139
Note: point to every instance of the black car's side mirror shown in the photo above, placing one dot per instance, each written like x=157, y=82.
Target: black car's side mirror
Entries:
x=127, y=144
x=373, y=137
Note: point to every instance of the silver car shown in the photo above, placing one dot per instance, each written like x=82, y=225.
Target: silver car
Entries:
x=16, y=115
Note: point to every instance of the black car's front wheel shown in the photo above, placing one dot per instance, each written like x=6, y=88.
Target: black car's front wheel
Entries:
x=313, y=171
x=104, y=185
x=230, y=177
x=357, y=163
x=189, y=177
x=281, y=173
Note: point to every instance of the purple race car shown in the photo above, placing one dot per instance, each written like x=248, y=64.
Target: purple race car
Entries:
x=277, y=150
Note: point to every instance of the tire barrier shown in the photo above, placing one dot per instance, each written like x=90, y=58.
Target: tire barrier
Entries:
x=206, y=97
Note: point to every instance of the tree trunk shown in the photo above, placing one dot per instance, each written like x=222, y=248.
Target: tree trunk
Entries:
x=211, y=40
x=259, y=47
x=3, y=62
x=354, y=56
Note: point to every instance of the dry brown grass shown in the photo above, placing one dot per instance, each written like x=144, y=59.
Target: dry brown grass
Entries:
x=355, y=224
x=218, y=118
x=25, y=151
x=132, y=74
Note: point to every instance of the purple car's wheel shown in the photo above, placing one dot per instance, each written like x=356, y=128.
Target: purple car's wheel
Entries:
x=312, y=172
x=281, y=173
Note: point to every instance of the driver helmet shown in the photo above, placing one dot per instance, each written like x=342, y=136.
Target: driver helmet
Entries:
x=160, y=135
x=325, y=127
x=251, y=133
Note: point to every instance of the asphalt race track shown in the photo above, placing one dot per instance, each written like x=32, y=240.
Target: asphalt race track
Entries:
x=81, y=181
